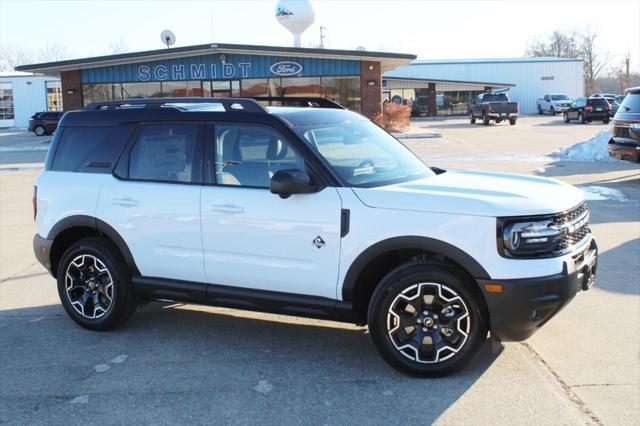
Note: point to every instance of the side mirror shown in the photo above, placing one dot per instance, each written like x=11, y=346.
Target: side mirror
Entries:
x=287, y=182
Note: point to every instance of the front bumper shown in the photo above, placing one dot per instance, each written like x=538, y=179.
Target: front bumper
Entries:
x=525, y=305
x=42, y=250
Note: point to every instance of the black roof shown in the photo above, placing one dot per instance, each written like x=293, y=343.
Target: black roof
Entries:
x=202, y=48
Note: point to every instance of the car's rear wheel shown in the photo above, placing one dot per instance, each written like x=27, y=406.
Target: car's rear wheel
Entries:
x=512, y=121
x=539, y=110
x=553, y=111
x=605, y=121
x=425, y=319
x=485, y=119
x=94, y=285
x=472, y=119
x=566, y=117
x=581, y=118
x=39, y=131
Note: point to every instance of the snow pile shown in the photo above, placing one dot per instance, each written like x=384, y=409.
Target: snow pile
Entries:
x=594, y=149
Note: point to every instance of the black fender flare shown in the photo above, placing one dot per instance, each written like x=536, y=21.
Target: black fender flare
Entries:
x=84, y=221
x=409, y=243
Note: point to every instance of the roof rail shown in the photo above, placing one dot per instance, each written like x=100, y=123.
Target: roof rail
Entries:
x=301, y=101
x=229, y=104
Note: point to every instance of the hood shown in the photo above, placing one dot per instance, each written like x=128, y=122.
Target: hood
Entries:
x=476, y=193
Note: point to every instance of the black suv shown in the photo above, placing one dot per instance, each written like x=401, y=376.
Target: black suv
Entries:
x=44, y=123
x=625, y=141
x=586, y=110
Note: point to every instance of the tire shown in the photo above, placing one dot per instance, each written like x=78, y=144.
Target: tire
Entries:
x=90, y=273
x=512, y=121
x=539, y=110
x=605, y=121
x=409, y=351
x=581, y=118
x=472, y=119
x=485, y=119
x=566, y=117
x=39, y=131
x=553, y=111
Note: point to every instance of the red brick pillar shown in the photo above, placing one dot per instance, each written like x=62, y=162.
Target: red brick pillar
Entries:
x=71, y=83
x=432, y=109
x=370, y=88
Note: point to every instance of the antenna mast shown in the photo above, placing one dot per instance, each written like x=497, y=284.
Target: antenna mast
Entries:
x=322, y=36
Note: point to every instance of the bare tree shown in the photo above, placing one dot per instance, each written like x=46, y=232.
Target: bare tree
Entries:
x=11, y=56
x=119, y=46
x=594, y=60
x=559, y=44
x=624, y=75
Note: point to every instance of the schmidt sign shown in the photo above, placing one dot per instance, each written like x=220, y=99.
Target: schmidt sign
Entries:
x=202, y=71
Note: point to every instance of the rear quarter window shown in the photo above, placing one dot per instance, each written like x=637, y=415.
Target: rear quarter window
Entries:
x=631, y=103
x=90, y=149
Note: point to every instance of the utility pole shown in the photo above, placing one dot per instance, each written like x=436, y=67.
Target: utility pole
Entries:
x=322, y=35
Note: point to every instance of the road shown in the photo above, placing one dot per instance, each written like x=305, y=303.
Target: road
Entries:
x=183, y=363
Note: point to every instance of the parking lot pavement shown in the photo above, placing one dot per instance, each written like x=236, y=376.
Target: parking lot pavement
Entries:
x=184, y=363
x=20, y=146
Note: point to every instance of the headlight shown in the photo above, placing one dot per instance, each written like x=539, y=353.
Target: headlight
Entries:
x=528, y=238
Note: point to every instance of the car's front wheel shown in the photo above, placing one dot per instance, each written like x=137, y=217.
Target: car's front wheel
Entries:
x=566, y=117
x=94, y=285
x=425, y=319
x=39, y=131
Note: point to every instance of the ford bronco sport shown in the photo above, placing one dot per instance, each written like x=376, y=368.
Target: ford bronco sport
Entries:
x=315, y=212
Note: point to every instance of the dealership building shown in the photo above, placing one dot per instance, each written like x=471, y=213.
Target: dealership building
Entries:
x=357, y=79
x=22, y=94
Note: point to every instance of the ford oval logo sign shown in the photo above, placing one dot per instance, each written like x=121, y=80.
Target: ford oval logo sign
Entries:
x=285, y=68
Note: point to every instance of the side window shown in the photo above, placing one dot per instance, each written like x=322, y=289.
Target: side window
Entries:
x=249, y=155
x=546, y=98
x=90, y=149
x=166, y=153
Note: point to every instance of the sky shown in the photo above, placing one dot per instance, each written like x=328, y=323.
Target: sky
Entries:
x=429, y=29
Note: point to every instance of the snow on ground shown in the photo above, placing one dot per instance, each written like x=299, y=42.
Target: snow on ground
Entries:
x=597, y=193
x=594, y=149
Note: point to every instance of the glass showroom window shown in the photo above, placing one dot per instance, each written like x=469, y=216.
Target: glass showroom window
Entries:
x=98, y=92
x=54, y=96
x=302, y=86
x=344, y=90
x=6, y=101
x=181, y=89
x=141, y=90
x=260, y=87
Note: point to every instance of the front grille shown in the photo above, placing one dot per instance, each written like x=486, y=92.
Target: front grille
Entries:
x=575, y=222
x=569, y=216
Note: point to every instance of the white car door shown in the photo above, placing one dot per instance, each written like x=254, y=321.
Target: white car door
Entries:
x=255, y=239
x=155, y=204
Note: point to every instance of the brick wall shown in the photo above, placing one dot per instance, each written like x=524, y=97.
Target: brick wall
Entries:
x=371, y=88
x=71, y=81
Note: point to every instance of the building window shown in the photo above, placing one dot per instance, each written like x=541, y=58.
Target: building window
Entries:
x=54, y=96
x=260, y=87
x=6, y=102
x=182, y=89
x=343, y=90
x=140, y=90
x=302, y=86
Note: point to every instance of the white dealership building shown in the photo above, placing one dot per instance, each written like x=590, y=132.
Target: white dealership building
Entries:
x=22, y=94
x=526, y=79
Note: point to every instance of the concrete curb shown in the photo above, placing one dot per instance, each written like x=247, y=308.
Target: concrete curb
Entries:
x=416, y=135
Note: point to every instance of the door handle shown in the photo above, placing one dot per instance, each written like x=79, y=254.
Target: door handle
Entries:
x=125, y=202
x=226, y=208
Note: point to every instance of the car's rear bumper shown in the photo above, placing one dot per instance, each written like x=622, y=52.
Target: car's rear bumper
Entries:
x=624, y=150
x=603, y=115
x=42, y=250
x=525, y=305
x=502, y=115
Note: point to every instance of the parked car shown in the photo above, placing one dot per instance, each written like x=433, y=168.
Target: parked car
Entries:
x=611, y=98
x=44, y=123
x=493, y=106
x=314, y=212
x=553, y=103
x=586, y=110
x=625, y=132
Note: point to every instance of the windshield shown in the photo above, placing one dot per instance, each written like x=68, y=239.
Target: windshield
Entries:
x=559, y=98
x=363, y=154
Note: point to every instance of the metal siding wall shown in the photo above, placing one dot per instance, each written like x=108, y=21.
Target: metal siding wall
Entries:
x=28, y=98
x=568, y=77
x=260, y=65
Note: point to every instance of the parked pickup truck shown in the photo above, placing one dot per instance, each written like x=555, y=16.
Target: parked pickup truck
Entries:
x=494, y=106
x=554, y=103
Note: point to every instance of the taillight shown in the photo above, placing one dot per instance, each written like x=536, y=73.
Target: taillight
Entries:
x=588, y=107
x=490, y=110
x=34, y=201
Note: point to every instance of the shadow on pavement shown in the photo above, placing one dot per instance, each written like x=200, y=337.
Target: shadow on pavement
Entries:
x=233, y=361
x=617, y=266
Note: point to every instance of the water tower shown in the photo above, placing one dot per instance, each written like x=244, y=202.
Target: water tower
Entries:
x=296, y=16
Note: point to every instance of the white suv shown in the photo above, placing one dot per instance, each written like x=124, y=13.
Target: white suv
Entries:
x=314, y=212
